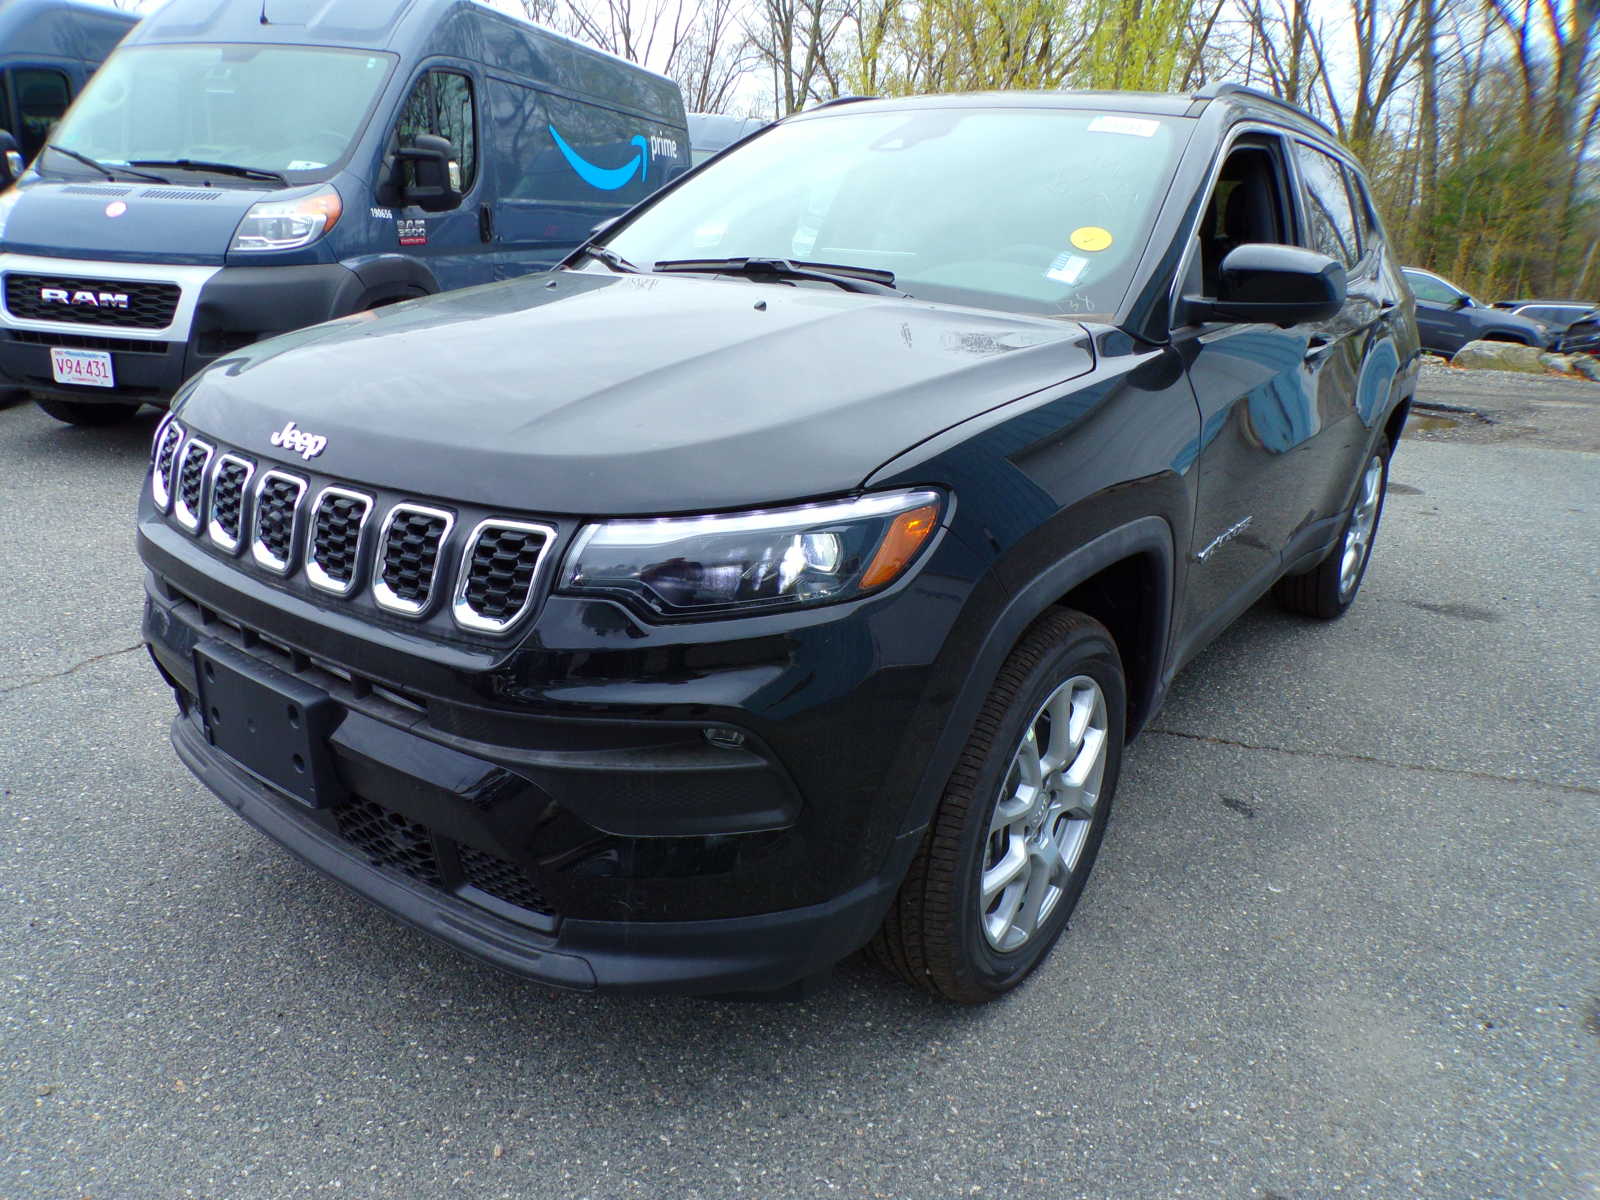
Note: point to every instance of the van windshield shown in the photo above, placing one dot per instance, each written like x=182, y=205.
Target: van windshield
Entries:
x=1029, y=210
x=292, y=110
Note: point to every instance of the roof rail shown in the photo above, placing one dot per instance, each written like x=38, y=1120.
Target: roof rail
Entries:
x=841, y=100
x=1215, y=91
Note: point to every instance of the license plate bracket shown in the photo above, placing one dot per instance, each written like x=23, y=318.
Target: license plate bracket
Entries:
x=84, y=368
x=269, y=722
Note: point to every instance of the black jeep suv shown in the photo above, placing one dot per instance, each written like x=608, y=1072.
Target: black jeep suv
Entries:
x=787, y=573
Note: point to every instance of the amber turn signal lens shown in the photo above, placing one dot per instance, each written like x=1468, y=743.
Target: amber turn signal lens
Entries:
x=900, y=545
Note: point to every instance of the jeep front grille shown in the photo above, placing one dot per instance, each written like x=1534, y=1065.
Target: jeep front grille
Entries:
x=277, y=504
x=191, y=483
x=498, y=568
x=129, y=303
x=332, y=551
x=227, y=501
x=409, y=557
x=411, y=565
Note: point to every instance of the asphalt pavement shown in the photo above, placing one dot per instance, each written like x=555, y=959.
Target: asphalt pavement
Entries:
x=1341, y=940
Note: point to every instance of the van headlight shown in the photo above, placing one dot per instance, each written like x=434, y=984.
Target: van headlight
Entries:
x=288, y=224
x=733, y=564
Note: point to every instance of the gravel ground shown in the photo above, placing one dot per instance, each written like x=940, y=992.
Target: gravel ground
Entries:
x=1341, y=940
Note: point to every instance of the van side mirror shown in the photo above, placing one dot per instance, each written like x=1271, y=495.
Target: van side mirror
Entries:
x=435, y=176
x=1275, y=285
x=11, y=164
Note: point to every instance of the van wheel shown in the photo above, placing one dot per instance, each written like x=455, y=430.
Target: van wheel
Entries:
x=1017, y=831
x=79, y=412
x=1328, y=589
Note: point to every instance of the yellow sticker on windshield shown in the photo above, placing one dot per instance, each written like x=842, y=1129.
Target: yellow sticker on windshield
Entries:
x=1091, y=238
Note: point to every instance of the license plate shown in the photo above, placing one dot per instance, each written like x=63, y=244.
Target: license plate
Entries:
x=269, y=722
x=86, y=368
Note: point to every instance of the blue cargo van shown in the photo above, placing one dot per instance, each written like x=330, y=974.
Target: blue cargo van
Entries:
x=48, y=50
x=236, y=170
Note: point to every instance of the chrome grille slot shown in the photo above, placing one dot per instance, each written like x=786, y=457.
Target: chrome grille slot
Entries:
x=226, y=526
x=408, y=557
x=186, y=498
x=278, y=496
x=166, y=455
x=334, y=544
x=499, y=569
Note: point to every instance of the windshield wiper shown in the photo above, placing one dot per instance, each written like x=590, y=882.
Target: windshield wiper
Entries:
x=108, y=172
x=611, y=259
x=216, y=168
x=851, y=279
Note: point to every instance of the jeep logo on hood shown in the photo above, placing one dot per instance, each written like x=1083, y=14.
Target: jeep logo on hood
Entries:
x=52, y=295
x=298, y=441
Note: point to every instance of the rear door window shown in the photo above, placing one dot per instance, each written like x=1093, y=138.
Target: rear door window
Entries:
x=1331, y=218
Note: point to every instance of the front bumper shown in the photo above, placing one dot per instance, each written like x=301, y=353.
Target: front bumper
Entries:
x=624, y=849
x=220, y=310
x=759, y=953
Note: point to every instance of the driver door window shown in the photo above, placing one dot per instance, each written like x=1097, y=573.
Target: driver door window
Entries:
x=1434, y=291
x=441, y=103
x=42, y=96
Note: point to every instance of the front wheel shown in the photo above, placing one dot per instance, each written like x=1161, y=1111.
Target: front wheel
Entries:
x=1018, y=829
x=1328, y=589
x=79, y=412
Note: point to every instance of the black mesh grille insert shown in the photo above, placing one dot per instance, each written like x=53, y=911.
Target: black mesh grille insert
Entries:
x=502, y=880
x=411, y=553
x=165, y=452
x=191, y=475
x=500, y=571
x=130, y=303
x=275, y=516
x=227, y=497
x=335, y=535
x=388, y=839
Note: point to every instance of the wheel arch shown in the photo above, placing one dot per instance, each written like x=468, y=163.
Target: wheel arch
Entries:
x=1124, y=578
x=389, y=278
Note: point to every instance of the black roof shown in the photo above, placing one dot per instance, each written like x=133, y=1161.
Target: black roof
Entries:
x=1157, y=104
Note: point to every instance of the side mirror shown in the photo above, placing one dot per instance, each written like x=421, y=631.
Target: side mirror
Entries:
x=435, y=174
x=1463, y=301
x=1276, y=285
x=11, y=164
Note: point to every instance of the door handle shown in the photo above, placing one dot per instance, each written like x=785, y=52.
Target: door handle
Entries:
x=1319, y=345
x=485, y=223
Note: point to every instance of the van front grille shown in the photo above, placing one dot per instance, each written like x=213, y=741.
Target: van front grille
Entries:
x=130, y=303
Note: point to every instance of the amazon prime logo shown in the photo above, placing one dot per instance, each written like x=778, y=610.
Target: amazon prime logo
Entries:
x=298, y=441
x=84, y=298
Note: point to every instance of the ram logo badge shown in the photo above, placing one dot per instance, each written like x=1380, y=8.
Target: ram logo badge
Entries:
x=84, y=298
x=298, y=441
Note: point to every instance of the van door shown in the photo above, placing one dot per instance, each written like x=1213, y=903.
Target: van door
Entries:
x=455, y=244
x=561, y=167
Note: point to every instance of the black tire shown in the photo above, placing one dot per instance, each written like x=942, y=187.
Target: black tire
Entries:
x=933, y=936
x=1321, y=592
x=80, y=412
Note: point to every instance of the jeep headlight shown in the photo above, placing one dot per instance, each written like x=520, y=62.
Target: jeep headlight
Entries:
x=288, y=224
x=733, y=564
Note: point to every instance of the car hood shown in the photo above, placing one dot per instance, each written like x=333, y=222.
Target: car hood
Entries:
x=630, y=394
x=129, y=222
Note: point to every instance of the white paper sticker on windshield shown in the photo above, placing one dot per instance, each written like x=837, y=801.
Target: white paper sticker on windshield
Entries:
x=304, y=164
x=1137, y=126
x=1067, y=268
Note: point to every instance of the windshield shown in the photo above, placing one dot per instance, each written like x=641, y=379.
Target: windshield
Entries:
x=1031, y=210
x=288, y=109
